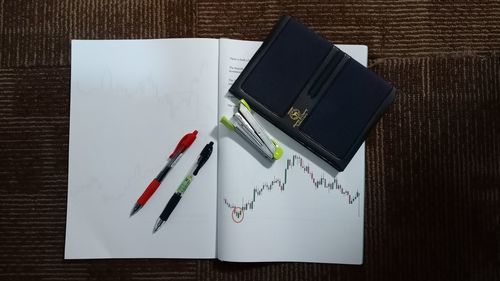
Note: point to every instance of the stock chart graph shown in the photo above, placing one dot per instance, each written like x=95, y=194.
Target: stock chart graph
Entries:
x=295, y=164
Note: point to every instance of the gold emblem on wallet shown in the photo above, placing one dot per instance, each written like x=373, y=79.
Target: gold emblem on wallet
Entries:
x=296, y=115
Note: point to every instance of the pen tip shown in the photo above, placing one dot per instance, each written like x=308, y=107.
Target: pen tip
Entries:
x=135, y=209
x=158, y=223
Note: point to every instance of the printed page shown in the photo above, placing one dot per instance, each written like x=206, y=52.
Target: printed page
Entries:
x=297, y=208
x=131, y=103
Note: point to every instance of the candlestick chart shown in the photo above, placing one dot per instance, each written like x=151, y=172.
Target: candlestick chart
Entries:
x=295, y=164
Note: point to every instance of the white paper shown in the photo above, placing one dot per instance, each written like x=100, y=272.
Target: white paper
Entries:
x=131, y=102
x=292, y=221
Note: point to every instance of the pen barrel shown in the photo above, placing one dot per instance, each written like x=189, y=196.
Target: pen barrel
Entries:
x=184, y=184
x=165, y=170
x=170, y=206
x=152, y=187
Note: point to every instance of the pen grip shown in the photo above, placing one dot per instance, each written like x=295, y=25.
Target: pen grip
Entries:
x=170, y=206
x=152, y=187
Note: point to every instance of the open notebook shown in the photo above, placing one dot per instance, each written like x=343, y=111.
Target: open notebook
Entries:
x=131, y=102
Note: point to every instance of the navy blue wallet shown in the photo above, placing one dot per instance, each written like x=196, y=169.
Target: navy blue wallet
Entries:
x=313, y=91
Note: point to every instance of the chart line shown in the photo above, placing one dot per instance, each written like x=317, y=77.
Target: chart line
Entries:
x=296, y=162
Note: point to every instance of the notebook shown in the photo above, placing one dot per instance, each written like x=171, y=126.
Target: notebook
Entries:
x=131, y=102
x=313, y=91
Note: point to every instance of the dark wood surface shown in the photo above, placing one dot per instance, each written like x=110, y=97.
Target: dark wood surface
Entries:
x=433, y=162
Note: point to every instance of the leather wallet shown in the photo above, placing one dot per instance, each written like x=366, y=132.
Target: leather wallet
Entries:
x=314, y=92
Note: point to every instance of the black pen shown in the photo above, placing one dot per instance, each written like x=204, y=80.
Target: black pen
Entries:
x=174, y=200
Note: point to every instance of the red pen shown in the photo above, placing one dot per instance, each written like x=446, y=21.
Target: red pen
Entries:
x=183, y=144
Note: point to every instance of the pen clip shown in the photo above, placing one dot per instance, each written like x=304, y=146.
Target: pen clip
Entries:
x=204, y=155
x=184, y=143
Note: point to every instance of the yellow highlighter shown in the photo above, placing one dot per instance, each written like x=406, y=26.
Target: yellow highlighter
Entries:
x=250, y=129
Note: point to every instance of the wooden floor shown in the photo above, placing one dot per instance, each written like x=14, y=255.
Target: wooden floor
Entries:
x=433, y=162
